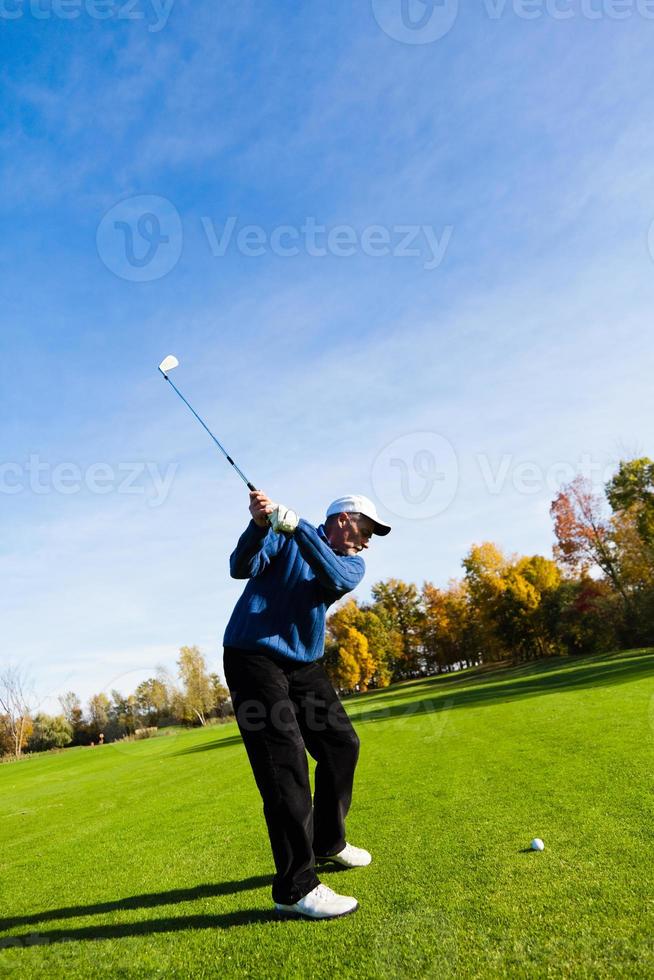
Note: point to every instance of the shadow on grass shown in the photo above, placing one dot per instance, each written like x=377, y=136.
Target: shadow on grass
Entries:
x=510, y=684
x=120, y=930
x=220, y=743
x=147, y=901
x=148, y=927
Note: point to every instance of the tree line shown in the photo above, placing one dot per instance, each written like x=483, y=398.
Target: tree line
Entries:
x=595, y=594
x=196, y=697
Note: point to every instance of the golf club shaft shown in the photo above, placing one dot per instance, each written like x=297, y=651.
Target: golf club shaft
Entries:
x=229, y=459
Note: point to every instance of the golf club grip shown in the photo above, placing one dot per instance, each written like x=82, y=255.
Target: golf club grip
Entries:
x=251, y=487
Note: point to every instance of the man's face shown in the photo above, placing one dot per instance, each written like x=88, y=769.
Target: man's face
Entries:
x=350, y=533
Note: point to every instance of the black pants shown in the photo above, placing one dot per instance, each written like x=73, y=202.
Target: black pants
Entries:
x=282, y=708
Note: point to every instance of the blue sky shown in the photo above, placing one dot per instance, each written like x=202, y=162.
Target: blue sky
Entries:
x=455, y=389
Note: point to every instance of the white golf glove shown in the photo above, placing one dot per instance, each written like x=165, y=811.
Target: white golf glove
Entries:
x=282, y=520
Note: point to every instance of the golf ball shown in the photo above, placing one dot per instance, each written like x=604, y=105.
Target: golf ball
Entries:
x=537, y=844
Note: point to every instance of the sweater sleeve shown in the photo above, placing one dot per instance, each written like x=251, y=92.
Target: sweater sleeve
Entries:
x=254, y=551
x=339, y=573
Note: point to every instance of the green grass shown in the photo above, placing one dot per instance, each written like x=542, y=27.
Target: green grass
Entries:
x=150, y=859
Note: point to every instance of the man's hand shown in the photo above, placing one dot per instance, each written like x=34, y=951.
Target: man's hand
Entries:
x=282, y=520
x=260, y=507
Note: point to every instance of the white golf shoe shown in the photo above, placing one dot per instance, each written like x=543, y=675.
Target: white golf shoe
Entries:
x=350, y=857
x=321, y=903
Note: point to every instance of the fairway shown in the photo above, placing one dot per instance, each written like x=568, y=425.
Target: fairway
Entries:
x=150, y=859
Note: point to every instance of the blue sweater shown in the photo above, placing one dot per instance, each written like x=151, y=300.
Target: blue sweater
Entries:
x=293, y=579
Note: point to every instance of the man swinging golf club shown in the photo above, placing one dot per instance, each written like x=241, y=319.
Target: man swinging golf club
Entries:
x=283, y=700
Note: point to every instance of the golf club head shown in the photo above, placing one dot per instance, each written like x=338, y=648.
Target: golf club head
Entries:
x=168, y=364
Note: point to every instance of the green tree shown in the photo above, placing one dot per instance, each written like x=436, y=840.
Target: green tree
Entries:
x=631, y=495
x=635, y=555
x=197, y=688
x=49, y=733
x=153, y=700
x=124, y=717
x=397, y=604
x=99, y=713
x=71, y=708
x=632, y=489
x=220, y=696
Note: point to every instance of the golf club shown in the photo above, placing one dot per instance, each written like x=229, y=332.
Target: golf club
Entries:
x=167, y=365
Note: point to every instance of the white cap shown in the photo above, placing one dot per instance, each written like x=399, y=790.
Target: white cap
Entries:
x=356, y=503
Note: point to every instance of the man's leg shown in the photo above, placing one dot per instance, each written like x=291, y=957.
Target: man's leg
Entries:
x=259, y=686
x=333, y=743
